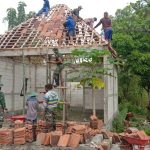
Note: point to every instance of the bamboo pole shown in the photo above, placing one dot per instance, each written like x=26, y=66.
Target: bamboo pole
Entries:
x=23, y=62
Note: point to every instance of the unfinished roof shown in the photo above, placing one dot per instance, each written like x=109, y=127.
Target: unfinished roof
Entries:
x=48, y=31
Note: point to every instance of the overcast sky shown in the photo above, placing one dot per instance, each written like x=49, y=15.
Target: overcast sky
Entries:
x=91, y=8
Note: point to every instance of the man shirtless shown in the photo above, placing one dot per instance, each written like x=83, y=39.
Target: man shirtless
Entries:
x=107, y=27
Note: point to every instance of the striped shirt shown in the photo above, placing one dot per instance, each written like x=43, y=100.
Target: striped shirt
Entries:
x=51, y=98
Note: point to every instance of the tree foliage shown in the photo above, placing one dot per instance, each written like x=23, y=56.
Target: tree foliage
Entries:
x=15, y=17
x=21, y=12
x=91, y=69
x=131, y=39
x=11, y=18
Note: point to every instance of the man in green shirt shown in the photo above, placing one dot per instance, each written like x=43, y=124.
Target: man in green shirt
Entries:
x=2, y=106
x=59, y=67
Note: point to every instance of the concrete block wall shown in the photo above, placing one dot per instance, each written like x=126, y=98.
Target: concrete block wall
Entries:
x=12, y=78
x=99, y=98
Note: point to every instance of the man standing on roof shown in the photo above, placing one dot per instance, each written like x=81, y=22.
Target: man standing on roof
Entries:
x=70, y=25
x=45, y=9
x=2, y=106
x=76, y=12
x=107, y=27
x=90, y=21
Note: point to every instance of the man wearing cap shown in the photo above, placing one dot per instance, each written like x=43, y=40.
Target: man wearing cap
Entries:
x=76, y=11
x=2, y=106
x=59, y=67
x=32, y=106
x=90, y=21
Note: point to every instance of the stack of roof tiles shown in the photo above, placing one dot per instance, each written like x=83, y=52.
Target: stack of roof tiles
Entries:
x=42, y=126
x=48, y=31
x=59, y=127
x=30, y=132
x=18, y=124
x=19, y=136
x=6, y=136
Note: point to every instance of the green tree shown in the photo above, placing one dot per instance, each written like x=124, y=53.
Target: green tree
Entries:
x=30, y=15
x=131, y=40
x=21, y=12
x=15, y=17
x=11, y=18
x=91, y=69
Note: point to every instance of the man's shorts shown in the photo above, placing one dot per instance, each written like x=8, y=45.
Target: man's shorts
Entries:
x=71, y=32
x=108, y=34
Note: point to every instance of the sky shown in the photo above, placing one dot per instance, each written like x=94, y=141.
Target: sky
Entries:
x=91, y=8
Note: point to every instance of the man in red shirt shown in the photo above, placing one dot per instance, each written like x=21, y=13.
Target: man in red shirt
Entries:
x=107, y=27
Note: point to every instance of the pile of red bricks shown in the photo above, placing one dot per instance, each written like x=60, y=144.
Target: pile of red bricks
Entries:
x=74, y=134
x=30, y=132
x=136, y=134
x=19, y=136
x=42, y=126
x=6, y=136
x=95, y=123
x=18, y=124
x=59, y=127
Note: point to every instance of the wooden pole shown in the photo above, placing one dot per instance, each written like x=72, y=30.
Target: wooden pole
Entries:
x=13, y=87
x=23, y=61
x=65, y=99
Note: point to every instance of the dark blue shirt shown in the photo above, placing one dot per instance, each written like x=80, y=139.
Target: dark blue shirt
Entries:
x=46, y=4
x=70, y=23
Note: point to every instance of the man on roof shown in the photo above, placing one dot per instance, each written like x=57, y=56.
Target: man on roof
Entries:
x=45, y=9
x=70, y=26
x=107, y=27
x=76, y=12
x=90, y=21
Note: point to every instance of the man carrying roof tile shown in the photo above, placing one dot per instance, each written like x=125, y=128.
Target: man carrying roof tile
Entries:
x=90, y=21
x=107, y=27
x=45, y=9
x=2, y=106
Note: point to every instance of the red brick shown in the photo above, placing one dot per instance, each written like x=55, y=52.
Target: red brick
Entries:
x=47, y=139
x=64, y=140
x=74, y=140
x=142, y=135
x=55, y=136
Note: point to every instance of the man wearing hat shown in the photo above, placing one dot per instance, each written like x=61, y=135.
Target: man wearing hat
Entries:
x=76, y=11
x=32, y=106
x=2, y=106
